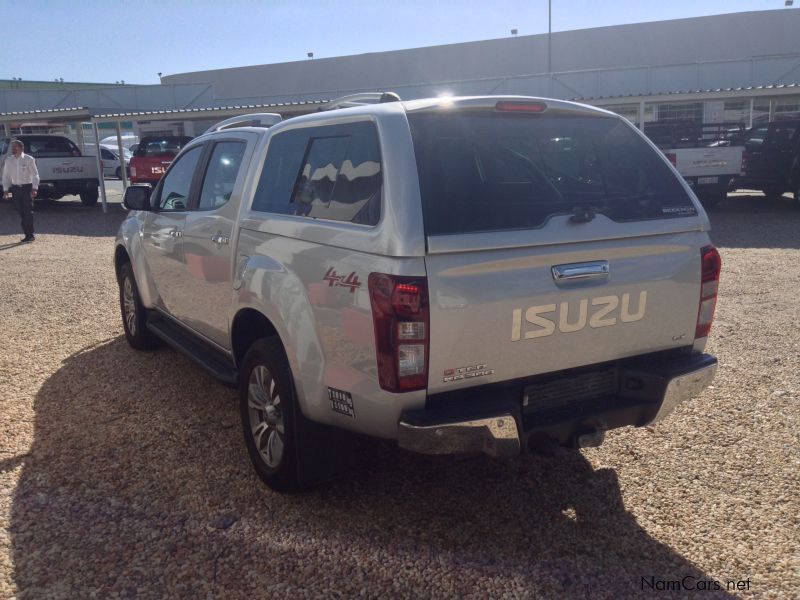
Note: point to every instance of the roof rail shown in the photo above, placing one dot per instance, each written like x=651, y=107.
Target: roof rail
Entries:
x=361, y=100
x=251, y=120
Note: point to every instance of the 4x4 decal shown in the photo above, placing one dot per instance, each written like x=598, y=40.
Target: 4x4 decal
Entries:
x=351, y=281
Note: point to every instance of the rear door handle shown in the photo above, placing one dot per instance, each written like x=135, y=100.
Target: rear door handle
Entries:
x=220, y=239
x=597, y=269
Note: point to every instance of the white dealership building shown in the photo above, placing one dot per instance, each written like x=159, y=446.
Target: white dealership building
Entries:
x=742, y=67
x=737, y=67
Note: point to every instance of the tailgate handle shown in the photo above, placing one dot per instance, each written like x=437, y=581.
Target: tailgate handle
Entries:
x=588, y=270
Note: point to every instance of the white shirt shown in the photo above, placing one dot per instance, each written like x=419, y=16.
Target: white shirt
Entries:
x=20, y=171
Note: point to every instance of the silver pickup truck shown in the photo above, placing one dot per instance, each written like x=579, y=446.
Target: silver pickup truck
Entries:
x=461, y=275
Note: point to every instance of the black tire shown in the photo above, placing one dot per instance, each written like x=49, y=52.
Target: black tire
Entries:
x=269, y=420
x=89, y=198
x=713, y=195
x=118, y=173
x=773, y=192
x=134, y=314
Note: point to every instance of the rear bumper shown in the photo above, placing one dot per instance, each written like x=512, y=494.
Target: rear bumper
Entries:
x=60, y=187
x=497, y=423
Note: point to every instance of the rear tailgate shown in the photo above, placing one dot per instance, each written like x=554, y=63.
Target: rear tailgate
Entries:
x=61, y=169
x=149, y=168
x=501, y=314
x=708, y=162
x=554, y=241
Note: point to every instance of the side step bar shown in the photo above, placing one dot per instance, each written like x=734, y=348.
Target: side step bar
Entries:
x=211, y=360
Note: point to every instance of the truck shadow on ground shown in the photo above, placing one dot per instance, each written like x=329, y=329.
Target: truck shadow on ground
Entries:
x=754, y=221
x=64, y=217
x=138, y=482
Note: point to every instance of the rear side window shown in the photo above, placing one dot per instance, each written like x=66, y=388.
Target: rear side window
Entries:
x=500, y=172
x=49, y=146
x=331, y=172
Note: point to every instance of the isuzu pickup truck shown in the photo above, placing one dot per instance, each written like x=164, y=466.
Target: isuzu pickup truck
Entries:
x=62, y=168
x=153, y=156
x=461, y=275
x=708, y=156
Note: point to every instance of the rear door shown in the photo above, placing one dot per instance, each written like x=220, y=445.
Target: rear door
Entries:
x=208, y=237
x=555, y=240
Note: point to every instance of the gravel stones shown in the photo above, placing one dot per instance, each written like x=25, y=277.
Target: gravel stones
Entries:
x=123, y=474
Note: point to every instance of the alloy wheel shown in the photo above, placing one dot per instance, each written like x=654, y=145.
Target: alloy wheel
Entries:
x=266, y=416
x=129, y=305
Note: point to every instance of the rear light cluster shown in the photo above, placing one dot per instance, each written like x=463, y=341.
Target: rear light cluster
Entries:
x=711, y=264
x=745, y=159
x=401, y=318
x=672, y=157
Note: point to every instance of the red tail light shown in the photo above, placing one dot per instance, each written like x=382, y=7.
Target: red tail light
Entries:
x=711, y=265
x=520, y=106
x=671, y=157
x=401, y=318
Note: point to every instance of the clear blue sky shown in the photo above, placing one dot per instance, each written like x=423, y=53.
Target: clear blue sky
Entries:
x=110, y=40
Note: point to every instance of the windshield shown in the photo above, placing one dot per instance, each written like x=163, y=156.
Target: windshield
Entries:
x=500, y=172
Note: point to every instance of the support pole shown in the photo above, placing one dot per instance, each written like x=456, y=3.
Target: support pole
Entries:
x=549, y=35
x=100, y=168
x=641, y=115
x=750, y=120
x=121, y=150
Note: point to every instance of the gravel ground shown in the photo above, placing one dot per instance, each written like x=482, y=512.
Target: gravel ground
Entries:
x=123, y=474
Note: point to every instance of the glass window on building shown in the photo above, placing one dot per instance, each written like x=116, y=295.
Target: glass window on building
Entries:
x=787, y=107
x=760, y=110
x=736, y=111
x=680, y=111
x=629, y=111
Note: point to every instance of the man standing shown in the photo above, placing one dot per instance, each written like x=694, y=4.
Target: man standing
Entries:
x=21, y=182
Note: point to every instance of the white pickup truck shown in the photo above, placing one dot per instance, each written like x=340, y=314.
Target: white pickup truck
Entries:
x=62, y=169
x=708, y=156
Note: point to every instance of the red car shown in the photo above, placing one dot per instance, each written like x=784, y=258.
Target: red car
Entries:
x=153, y=156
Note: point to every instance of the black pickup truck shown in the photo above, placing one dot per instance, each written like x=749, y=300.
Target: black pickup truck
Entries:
x=771, y=160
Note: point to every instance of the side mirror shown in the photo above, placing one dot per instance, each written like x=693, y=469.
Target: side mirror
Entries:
x=137, y=197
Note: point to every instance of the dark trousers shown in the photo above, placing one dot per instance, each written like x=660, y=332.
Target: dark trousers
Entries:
x=24, y=205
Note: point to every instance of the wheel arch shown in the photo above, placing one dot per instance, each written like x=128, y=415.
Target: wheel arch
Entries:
x=248, y=326
x=120, y=258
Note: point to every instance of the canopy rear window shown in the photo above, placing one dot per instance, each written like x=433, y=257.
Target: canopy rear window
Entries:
x=494, y=172
x=49, y=146
x=162, y=146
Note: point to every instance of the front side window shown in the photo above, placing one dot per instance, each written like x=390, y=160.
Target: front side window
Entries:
x=177, y=182
x=331, y=172
x=223, y=167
